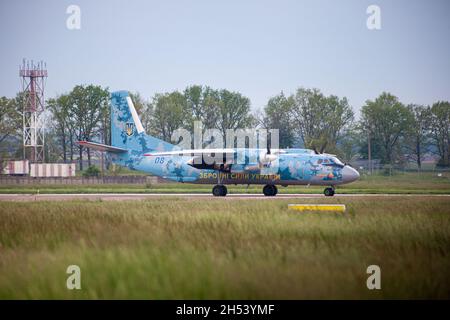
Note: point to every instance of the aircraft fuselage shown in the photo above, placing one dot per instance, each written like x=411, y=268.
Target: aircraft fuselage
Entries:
x=288, y=169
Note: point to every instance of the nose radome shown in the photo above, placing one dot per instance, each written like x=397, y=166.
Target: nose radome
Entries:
x=349, y=174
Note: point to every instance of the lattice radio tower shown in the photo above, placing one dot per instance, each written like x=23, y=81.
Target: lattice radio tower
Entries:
x=33, y=80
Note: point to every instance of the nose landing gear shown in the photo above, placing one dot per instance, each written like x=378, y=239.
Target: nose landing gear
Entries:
x=270, y=190
x=329, y=192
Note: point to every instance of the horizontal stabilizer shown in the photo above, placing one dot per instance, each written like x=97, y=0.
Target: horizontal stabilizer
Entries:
x=101, y=147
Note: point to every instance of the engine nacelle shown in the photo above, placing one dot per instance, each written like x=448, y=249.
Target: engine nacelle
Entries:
x=265, y=158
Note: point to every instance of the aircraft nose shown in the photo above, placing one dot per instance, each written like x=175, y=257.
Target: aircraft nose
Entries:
x=349, y=174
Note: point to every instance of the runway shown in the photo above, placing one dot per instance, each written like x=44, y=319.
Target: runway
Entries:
x=204, y=196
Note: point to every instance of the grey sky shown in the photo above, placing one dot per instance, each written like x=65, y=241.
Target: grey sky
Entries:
x=255, y=47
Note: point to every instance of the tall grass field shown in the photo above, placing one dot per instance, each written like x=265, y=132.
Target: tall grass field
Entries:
x=176, y=248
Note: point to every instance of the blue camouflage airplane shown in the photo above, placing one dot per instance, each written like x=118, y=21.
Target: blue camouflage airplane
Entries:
x=133, y=148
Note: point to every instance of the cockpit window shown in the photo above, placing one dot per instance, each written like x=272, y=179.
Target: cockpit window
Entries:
x=337, y=161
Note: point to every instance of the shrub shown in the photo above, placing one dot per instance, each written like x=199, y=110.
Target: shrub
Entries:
x=91, y=171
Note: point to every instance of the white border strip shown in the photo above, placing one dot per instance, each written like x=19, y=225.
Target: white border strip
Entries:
x=137, y=121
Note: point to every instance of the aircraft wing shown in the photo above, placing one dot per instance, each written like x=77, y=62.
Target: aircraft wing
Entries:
x=101, y=147
x=191, y=152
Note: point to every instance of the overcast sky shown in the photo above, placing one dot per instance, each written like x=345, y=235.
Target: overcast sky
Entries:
x=258, y=48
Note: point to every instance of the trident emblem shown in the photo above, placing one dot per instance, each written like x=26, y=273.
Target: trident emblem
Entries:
x=129, y=129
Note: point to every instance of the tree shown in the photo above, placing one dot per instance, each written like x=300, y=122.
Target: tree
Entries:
x=60, y=110
x=277, y=115
x=320, y=120
x=202, y=102
x=87, y=105
x=10, y=117
x=440, y=130
x=169, y=113
x=417, y=137
x=386, y=119
x=53, y=148
x=219, y=109
x=233, y=111
x=348, y=145
x=195, y=101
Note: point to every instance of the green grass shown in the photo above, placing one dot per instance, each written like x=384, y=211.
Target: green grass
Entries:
x=405, y=183
x=232, y=249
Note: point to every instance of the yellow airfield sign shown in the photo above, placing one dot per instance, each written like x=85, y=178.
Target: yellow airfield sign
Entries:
x=317, y=207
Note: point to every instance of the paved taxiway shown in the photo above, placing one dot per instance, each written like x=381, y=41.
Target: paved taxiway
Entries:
x=140, y=196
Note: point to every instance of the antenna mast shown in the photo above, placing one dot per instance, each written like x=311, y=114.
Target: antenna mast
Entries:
x=33, y=78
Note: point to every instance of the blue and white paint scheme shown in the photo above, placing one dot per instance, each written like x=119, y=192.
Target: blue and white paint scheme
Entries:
x=133, y=148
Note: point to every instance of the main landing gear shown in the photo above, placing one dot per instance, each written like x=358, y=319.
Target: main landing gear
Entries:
x=219, y=190
x=270, y=190
x=329, y=192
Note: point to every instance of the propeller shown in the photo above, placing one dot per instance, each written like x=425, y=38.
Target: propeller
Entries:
x=267, y=157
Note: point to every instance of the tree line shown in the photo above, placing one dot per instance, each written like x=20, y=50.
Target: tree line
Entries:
x=396, y=133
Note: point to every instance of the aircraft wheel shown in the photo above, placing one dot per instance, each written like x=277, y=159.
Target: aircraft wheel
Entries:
x=224, y=191
x=270, y=190
x=329, y=192
x=219, y=191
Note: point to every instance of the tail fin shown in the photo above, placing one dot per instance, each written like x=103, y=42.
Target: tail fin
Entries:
x=127, y=131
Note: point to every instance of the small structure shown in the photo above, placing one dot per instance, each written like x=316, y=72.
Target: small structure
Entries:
x=21, y=167
x=52, y=170
x=44, y=170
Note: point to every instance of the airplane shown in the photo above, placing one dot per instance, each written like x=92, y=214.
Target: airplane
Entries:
x=133, y=148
